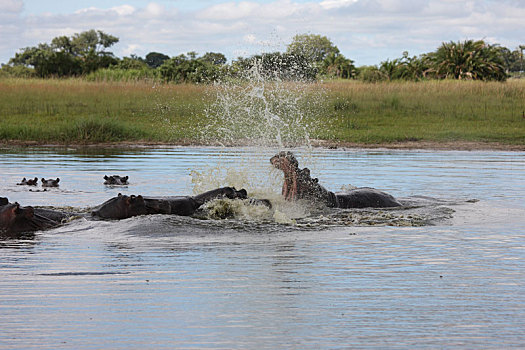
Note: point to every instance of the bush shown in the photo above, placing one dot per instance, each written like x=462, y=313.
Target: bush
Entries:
x=17, y=72
x=182, y=69
x=370, y=74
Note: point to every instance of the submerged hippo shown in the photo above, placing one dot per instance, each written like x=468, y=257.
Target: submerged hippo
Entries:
x=50, y=182
x=16, y=220
x=116, y=180
x=298, y=184
x=123, y=206
x=28, y=182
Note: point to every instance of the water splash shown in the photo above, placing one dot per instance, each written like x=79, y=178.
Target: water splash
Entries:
x=256, y=175
x=265, y=109
x=262, y=109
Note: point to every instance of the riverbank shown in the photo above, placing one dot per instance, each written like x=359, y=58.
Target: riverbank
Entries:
x=404, y=115
x=408, y=145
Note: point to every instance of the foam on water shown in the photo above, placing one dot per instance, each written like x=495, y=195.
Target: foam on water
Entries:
x=414, y=213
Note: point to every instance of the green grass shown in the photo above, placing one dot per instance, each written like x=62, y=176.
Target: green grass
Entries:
x=76, y=111
x=436, y=111
x=79, y=111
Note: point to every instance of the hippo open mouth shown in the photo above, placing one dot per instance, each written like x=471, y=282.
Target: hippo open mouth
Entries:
x=287, y=162
x=298, y=184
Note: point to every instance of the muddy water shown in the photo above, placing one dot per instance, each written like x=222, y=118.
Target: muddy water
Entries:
x=316, y=281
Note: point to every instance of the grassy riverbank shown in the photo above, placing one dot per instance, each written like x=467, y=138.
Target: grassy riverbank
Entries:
x=433, y=112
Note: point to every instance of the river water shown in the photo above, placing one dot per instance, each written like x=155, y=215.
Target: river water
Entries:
x=454, y=278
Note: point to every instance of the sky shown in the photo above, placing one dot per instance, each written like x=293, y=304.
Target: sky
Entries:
x=365, y=31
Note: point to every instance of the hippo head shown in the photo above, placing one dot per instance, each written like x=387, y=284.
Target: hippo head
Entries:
x=4, y=201
x=121, y=207
x=50, y=182
x=30, y=182
x=115, y=180
x=298, y=183
x=223, y=192
x=15, y=219
x=285, y=161
x=232, y=193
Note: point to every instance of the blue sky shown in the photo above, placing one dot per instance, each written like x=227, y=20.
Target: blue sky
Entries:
x=366, y=31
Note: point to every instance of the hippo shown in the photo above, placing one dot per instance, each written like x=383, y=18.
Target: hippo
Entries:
x=298, y=184
x=124, y=206
x=50, y=182
x=28, y=182
x=116, y=180
x=17, y=221
x=121, y=207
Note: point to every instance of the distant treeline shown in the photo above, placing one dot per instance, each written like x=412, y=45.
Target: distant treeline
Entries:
x=308, y=57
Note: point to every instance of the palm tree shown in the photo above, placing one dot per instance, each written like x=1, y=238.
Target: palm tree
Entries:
x=468, y=60
x=336, y=65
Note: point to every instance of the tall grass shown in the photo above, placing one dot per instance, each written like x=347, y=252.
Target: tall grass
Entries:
x=427, y=111
x=71, y=111
x=124, y=75
x=80, y=111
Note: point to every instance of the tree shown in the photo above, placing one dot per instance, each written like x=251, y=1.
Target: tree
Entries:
x=156, y=59
x=47, y=62
x=313, y=47
x=337, y=66
x=392, y=69
x=468, y=60
x=62, y=43
x=513, y=60
x=370, y=74
x=522, y=67
x=16, y=71
x=132, y=62
x=188, y=69
x=66, y=56
x=214, y=58
x=92, y=41
x=404, y=68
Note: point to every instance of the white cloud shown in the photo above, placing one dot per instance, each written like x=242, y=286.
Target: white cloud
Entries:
x=367, y=31
x=11, y=6
x=123, y=10
x=334, y=4
x=154, y=9
x=229, y=11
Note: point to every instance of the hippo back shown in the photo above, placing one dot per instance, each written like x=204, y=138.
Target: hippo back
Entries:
x=51, y=216
x=177, y=205
x=366, y=197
